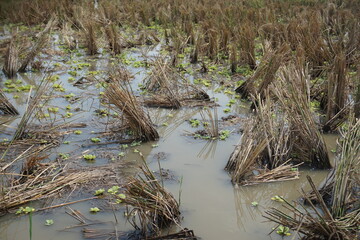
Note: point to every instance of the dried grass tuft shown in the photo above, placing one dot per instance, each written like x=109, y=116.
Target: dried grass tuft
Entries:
x=120, y=95
x=32, y=104
x=167, y=88
x=5, y=105
x=153, y=206
x=42, y=38
x=339, y=217
x=263, y=153
x=265, y=73
x=113, y=38
x=292, y=91
x=11, y=59
x=43, y=181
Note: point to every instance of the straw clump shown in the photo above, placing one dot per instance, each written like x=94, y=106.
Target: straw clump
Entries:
x=281, y=135
x=154, y=207
x=263, y=153
x=293, y=96
x=42, y=180
x=5, y=105
x=339, y=217
x=167, y=88
x=11, y=59
x=120, y=95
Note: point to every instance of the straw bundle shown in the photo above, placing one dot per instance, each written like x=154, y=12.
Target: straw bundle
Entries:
x=11, y=59
x=293, y=95
x=120, y=95
x=5, y=105
x=339, y=217
x=154, y=207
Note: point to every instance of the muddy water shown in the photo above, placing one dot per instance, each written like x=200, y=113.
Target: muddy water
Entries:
x=210, y=204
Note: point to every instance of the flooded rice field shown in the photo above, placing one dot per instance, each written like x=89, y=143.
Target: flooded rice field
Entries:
x=210, y=204
x=172, y=121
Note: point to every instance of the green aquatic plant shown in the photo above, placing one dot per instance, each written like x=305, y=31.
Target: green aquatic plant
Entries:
x=78, y=132
x=283, y=231
x=124, y=146
x=227, y=91
x=64, y=156
x=70, y=95
x=113, y=190
x=53, y=109
x=73, y=73
x=8, y=90
x=138, y=64
x=68, y=115
x=95, y=140
x=121, y=196
x=227, y=110
x=94, y=210
x=232, y=101
x=244, y=70
x=89, y=157
x=277, y=198
x=225, y=133
x=54, y=78
x=49, y=222
x=135, y=143
x=254, y=204
x=194, y=122
x=93, y=73
x=99, y=192
x=102, y=112
x=24, y=88
x=27, y=210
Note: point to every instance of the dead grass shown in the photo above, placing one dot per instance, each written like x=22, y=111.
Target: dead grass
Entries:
x=339, y=216
x=167, y=88
x=265, y=73
x=113, y=37
x=43, y=180
x=263, y=153
x=11, y=59
x=336, y=93
x=292, y=91
x=120, y=95
x=35, y=49
x=32, y=104
x=5, y=105
x=153, y=206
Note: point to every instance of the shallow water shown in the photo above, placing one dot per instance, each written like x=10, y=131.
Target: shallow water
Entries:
x=210, y=204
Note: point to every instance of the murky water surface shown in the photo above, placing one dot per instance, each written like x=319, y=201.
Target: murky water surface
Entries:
x=210, y=204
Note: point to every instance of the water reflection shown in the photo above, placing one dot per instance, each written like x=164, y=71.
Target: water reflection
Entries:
x=208, y=150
